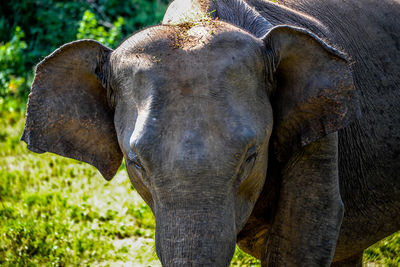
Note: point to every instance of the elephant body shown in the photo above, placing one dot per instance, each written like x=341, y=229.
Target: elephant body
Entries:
x=368, y=31
x=273, y=125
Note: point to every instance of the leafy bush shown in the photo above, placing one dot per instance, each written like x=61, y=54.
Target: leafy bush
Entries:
x=90, y=29
x=12, y=64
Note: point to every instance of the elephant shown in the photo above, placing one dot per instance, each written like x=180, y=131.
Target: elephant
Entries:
x=273, y=125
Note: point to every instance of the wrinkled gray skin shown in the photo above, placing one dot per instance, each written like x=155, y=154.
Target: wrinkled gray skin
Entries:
x=250, y=129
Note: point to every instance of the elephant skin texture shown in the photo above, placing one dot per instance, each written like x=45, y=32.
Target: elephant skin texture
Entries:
x=275, y=126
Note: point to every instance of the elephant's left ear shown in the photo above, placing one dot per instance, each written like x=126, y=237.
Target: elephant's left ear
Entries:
x=68, y=112
x=314, y=93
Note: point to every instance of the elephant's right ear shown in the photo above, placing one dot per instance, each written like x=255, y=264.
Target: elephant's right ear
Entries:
x=68, y=112
x=315, y=93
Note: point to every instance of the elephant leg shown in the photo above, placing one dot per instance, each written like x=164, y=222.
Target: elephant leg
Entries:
x=310, y=211
x=353, y=261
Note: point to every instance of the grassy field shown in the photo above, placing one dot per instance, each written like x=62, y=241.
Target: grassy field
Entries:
x=59, y=212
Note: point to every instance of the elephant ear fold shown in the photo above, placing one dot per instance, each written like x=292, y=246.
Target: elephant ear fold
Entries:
x=314, y=93
x=68, y=112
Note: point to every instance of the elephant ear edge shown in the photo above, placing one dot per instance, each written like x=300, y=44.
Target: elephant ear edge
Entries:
x=68, y=112
x=314, y=92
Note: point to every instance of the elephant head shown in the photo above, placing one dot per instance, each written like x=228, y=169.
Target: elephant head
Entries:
x=191, y=109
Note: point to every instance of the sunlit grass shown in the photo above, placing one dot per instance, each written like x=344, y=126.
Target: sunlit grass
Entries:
x=60, y=212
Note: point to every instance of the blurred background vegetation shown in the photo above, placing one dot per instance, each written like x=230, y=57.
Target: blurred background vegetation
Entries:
x=56, y=211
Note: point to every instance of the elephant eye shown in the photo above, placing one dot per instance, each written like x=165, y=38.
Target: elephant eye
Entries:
x=134, y=160
x=248, y=164
x=251, y=154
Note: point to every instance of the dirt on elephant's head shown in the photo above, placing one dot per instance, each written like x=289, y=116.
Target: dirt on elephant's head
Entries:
x=192, y=34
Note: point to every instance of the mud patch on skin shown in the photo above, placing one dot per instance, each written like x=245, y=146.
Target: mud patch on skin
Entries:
x=194, y=27
x=205, y=5
x=190, y=35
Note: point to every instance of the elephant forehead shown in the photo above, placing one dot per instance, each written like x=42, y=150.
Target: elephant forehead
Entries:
x=185, y=36
x=208, y=46
x=202, y=61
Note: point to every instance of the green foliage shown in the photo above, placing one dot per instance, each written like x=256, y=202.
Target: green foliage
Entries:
x=240, y=258
x=12, y=63
x=90, y=29
x=385, y=252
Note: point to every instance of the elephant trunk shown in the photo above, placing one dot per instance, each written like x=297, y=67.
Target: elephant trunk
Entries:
x=201, y=236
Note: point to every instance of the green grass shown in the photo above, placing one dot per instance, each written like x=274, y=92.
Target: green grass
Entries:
x=60, y=212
